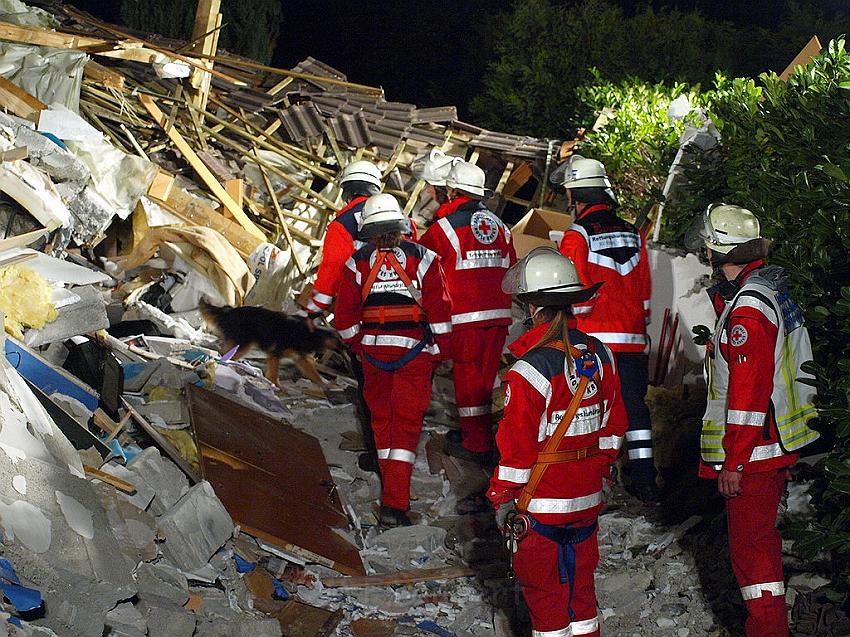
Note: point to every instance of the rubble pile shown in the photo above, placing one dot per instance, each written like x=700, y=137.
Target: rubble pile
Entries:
x=155, y=487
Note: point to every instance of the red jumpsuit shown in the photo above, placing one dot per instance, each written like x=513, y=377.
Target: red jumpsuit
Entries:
x=476, y=249
x=379, y=318
x=537, y=392
x=341, y=240
x=607, y=249
x=746, y=342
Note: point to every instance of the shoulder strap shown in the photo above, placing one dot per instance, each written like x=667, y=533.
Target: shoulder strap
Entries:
x=388, y=256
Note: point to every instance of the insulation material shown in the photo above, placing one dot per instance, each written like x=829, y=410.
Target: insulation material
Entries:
x=120, y=179
x=49, y=75
x=25, y=298
x=57, y=270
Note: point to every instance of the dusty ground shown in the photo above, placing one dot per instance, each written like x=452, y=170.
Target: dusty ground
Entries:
x=663, y=569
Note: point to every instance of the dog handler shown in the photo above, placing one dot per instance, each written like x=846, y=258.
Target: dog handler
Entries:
x=562, y=429
x=394, y=310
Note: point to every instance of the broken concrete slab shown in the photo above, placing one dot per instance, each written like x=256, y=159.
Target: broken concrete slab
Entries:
x=134, y=528
x=162, y=581
x=195, y=527
x=125, y=619
x=166, y=619
x=163, y=476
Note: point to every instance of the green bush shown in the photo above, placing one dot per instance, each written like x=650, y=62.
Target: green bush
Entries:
x=638, y=142
x=786, y=155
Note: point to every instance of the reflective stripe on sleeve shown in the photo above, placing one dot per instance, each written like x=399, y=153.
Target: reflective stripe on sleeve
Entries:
x=425, y=264
x=766, y=452
x=754, y=591
x=324, y=299
x=485, y=315
x=349, y=333
x=564, y=505
x=640, y=454
x=467, y=412
x=579, y=310
x=520, y=476
x=441, y=328
x=610, y=442
x=620, y=337
x=534, y=378
x=639, y=434
x=752, y=418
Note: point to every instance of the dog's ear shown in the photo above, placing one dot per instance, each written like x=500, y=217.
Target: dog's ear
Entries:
x=332, y=341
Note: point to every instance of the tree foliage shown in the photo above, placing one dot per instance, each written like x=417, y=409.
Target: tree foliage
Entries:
x=544, y=50
x=252, y=26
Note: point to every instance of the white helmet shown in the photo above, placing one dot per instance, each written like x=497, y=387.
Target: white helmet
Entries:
x=361, y=170
x=436, y=167
x=381, y=213
x=726, y=227
x=545, y=277
x=580, y=172
x=467, y=178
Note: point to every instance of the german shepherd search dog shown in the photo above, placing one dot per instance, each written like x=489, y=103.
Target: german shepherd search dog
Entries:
x=275, y=333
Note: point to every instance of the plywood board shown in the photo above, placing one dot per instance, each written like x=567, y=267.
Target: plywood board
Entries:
x=272, y=478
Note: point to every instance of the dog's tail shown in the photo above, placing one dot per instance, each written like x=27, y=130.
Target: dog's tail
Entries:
x=212, y=313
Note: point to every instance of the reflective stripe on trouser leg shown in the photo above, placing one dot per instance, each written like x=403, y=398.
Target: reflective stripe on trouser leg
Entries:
x=536, y=569
x=755, y=548
x=634, y=377
x=476, y=355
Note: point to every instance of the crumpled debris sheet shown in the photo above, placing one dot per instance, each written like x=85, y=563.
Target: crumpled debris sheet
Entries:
x=25, y=299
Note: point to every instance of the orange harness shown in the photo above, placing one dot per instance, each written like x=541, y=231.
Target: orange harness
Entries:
x=389, y=314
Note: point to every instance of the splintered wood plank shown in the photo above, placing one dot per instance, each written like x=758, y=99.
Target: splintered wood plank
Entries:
x=195, y=212
x=401, y=577
x=200, y=168
x=272, y=479
x=19, y=102
x=102, y=75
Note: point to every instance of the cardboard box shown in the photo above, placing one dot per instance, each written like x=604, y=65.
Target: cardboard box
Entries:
x=533, y=229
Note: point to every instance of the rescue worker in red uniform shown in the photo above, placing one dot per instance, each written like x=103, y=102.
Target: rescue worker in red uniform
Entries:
x=359, y=180
x=758, y=409
x=476, y=250
x=394, y=310
x=608, y=249
x=557, y=551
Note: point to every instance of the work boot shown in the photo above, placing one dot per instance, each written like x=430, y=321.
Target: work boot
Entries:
x=390, y=517
x=368, y=462
x=482, y=458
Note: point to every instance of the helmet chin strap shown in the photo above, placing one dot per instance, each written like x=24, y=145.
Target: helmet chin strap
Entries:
x=528, y=321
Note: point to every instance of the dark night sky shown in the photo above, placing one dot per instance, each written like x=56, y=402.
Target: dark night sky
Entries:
x=432, y=52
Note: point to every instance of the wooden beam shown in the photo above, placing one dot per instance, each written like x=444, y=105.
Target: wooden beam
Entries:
x=204, y=32
x=235, y=190
x=102, y=75
x=93, y=46
x=200, y=168
x=108, y=478
x=19, y=102
x=195, y=212
x=401, y=577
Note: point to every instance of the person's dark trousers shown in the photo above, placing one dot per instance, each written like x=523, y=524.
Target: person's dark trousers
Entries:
x=633, y=369
x=363, y=414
